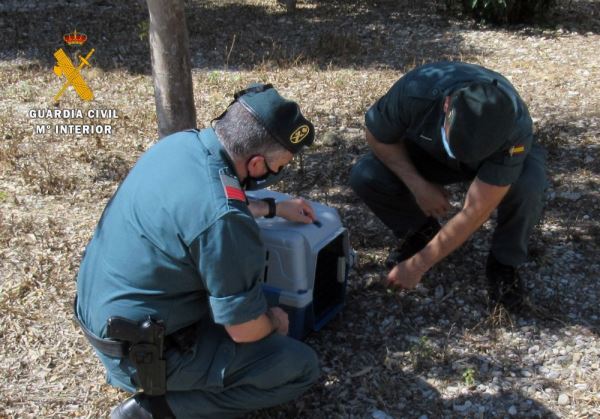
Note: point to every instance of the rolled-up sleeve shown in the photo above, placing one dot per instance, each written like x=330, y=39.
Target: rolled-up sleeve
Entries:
x=230, y=258
x=498, y=173
x=503, y=168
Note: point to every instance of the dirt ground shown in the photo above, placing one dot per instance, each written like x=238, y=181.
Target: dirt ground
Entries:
x=435, y=352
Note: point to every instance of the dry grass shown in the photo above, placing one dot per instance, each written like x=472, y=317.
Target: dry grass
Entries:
x=335, y=58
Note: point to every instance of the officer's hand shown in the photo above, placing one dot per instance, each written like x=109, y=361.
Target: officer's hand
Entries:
x=297, y=210
x=432, y=199
x=405, y=275
x=280, y=320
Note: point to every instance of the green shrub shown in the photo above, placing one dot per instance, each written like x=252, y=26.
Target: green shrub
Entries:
x=506, y=11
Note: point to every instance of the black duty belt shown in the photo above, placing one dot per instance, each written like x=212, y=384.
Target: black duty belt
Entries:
x=182, y=340
x=109, y=347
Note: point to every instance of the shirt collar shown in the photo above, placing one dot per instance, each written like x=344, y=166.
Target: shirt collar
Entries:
x=209, y=138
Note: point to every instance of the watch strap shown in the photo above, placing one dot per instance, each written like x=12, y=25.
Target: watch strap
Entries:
x=272, y=207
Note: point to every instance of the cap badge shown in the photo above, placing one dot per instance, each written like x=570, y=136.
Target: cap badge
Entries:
x=299, y=134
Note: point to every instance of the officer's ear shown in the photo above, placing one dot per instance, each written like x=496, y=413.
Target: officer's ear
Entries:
x=256, y=165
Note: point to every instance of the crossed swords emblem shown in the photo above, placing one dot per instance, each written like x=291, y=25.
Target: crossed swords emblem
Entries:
x=72, y=74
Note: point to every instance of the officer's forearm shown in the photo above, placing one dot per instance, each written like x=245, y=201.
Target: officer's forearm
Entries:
x=452, y=235
x=251, y=331
x=395, y=157
x=481, y=200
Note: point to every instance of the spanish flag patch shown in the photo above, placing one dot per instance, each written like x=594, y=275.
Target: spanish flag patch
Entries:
x=516, y=149
x=232, y=188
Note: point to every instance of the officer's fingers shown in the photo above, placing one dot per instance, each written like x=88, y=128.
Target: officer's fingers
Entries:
x=277, y=311
x=391, y=280
x=305, y=207
x=285, y=319
x=396, y=284
x=309, y=212
x=306, y=213
x=399, y=283
x=303, y=218
x=408, y=286
x=284, y=323
x=296, y=215
x=282, y=316
x=302, y=213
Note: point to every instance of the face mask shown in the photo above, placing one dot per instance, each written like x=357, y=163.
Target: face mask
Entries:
x=446, y=144
x=264, y=181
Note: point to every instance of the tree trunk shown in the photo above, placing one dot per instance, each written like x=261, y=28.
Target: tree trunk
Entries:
x=171, y=67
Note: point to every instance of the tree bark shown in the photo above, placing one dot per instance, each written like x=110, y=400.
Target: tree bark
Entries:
x=171, y=66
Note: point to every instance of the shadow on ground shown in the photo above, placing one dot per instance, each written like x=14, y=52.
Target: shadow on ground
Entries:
x=330, y=34
x=233, y=35
x=398, y=371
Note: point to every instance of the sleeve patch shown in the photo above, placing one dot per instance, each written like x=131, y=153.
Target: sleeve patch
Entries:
x=232, y=187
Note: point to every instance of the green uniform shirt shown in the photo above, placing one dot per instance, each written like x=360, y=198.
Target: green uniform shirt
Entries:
x=175, y=242
x=412, y=110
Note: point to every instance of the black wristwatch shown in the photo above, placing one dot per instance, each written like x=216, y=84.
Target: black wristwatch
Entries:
x=272, y=207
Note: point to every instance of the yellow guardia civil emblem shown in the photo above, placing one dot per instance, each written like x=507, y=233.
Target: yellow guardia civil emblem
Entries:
x=299, y=134
x=72, y=74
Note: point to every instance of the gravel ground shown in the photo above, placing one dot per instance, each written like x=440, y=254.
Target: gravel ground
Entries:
x=434, y=352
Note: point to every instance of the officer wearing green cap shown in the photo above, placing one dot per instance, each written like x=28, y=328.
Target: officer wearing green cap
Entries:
x=444, y=123
x=169, y=290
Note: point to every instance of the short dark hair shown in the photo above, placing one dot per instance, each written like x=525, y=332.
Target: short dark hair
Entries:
x=243, y=136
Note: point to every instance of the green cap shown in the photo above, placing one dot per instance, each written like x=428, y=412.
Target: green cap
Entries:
x=481, y=117
x=280, y=117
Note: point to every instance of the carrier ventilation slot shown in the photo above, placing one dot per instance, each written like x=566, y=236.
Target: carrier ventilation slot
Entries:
x=328, y=290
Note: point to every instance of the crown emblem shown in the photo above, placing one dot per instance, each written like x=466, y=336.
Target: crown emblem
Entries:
x=75, y=38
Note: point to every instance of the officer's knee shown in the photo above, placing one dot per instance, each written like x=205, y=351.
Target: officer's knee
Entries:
x=312, y=366
x=361, y=177
x=305, y=359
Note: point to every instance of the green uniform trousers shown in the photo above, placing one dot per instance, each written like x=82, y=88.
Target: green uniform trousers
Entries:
x=387, y=196
x=219, y=378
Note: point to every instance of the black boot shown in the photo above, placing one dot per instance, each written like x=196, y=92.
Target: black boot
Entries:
x=141, y=406
x=505, y=286
x=413, y=243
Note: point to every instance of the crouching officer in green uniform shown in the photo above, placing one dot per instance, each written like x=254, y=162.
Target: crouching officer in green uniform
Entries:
x=444, y=123
x=169, y=289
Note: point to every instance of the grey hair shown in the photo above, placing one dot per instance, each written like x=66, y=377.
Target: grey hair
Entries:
x=243, y=136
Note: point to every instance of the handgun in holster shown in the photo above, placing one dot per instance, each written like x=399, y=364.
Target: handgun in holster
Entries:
x=146, y=338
